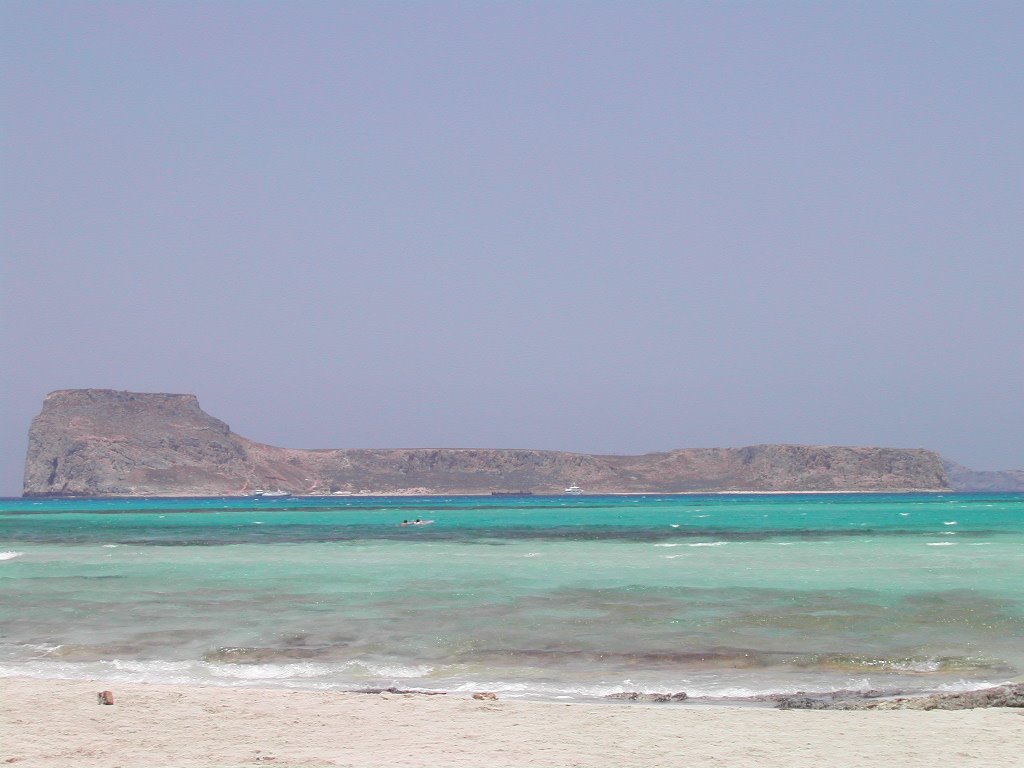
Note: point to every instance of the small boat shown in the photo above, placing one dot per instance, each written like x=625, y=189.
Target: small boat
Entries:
x=573, y=490
x=263, y=494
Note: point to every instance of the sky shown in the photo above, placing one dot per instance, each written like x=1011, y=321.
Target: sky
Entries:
x=604, y=227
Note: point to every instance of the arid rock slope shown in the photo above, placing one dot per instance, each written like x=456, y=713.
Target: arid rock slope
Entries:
x=1002, y=481
x=98, y=442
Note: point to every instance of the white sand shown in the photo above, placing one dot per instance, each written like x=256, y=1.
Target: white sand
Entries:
x=59, y=723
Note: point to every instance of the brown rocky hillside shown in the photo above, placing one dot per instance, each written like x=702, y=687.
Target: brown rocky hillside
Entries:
x=107, y=442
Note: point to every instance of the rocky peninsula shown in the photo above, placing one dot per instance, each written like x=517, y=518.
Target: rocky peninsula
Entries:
x=101, y=442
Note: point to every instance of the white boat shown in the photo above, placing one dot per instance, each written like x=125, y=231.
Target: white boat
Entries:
x=263, y=494
x=573, y=490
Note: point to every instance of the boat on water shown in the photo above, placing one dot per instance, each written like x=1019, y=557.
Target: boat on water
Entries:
x=573, y=490
x=259, y=493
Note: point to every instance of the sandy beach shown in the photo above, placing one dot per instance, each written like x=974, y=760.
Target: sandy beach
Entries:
x=59, y=723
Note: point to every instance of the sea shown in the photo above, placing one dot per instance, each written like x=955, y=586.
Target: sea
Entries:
x=535, y=597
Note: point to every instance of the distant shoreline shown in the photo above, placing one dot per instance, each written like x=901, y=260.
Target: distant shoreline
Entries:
x=501, y=497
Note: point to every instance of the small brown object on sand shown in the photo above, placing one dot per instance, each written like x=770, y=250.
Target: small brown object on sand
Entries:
x=105, y=697
x=486, y=696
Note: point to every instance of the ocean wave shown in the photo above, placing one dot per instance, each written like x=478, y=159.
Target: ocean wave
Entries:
x=354, y=673
x=347, y=678
x=10, y=555
x=962, y=686
x=297, y=670
x=709, y=544
x=392, y=670
x=751, y=661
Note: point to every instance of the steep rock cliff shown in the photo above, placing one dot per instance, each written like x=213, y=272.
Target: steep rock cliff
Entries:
x=89, y=442
x=104, y=442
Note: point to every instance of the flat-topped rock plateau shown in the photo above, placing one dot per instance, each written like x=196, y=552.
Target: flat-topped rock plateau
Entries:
x=101, y=442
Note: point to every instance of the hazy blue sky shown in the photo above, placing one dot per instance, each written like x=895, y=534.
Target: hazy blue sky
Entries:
x=599, y=227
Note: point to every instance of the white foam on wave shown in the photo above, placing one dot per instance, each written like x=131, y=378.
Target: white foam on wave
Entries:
x=178, y=673
x=916, y=666
x=42, y=649
x=941, y=543
x=904, y=514
x=471, y=686
x=709, y=544
x=668, y=544
x=10, y=555
x=134, y=666
x=195, y=672
x=532, y=554
x=951, y=522
x=970, y=685
x=110, y=546
x=393, y=670
x=325, y=676
x=302, y=670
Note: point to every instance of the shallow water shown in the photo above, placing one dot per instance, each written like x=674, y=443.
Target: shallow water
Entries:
x=535, y=596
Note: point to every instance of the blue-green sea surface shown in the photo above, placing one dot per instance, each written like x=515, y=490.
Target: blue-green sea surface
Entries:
x=538, y=597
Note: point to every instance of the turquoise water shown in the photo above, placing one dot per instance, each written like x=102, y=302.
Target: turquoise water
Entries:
x=539, y=597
